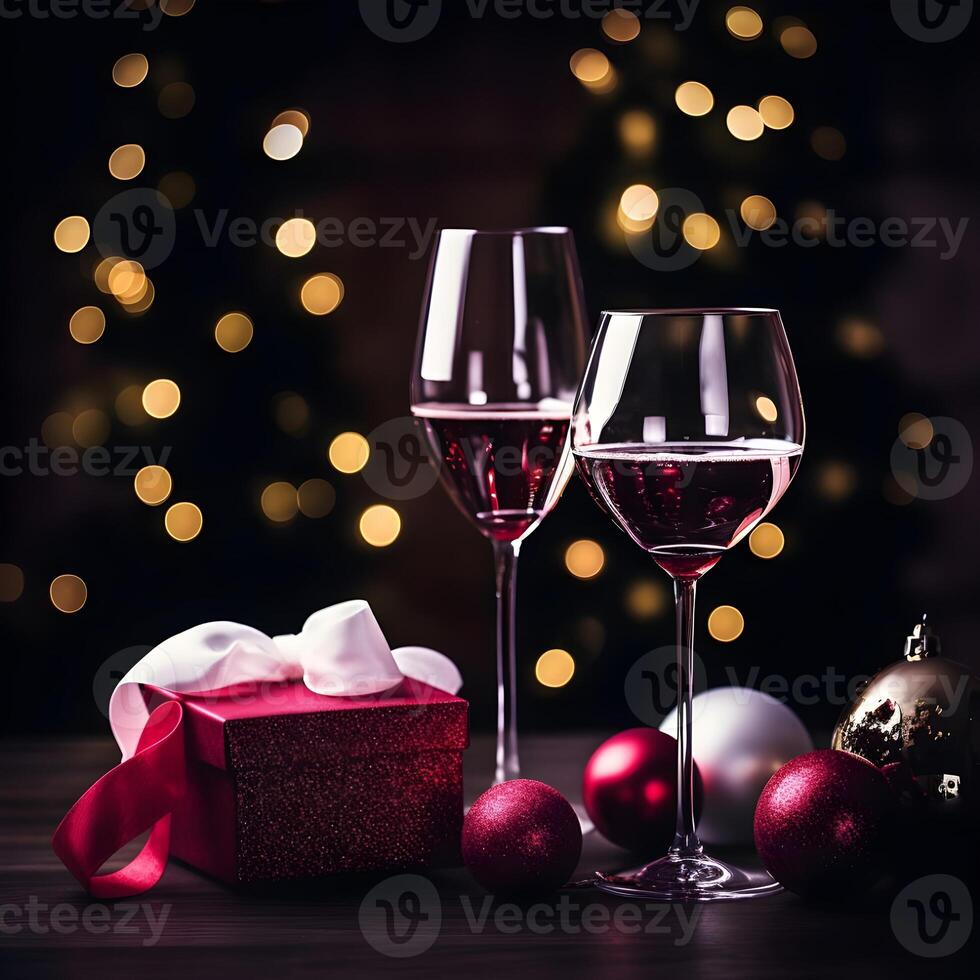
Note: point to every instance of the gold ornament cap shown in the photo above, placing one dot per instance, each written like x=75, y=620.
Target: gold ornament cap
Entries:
x=922, y=642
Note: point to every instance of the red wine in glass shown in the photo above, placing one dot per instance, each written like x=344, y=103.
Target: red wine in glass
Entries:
x=687, y=504
x=501, y=464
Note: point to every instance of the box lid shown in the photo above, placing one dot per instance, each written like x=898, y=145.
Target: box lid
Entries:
x=274, y=724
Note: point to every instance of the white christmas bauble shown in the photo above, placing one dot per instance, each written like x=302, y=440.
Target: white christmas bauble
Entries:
x=741, y=737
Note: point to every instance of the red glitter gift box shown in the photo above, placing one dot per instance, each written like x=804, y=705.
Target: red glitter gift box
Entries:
x=284, y=783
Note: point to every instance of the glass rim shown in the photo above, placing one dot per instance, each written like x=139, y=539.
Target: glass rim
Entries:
x=533, y=230
x=693, y=311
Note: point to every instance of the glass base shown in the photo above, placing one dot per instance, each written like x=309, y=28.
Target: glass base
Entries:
x=697, y=878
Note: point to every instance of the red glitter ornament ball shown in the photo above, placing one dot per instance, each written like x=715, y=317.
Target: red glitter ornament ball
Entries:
x=822, y=822
x=630, y=789
x=521, y=837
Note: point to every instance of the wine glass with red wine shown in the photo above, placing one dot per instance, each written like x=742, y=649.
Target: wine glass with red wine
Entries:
x=501, y=350
x=687, y=429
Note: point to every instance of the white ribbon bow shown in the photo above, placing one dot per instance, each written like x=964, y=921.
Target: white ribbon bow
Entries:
x=340, y=652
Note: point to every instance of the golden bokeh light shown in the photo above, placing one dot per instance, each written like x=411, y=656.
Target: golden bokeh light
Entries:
x=233, y=332
x=758, y=212
x=296, y=237
x=11, y=582
x=725, y=623
x=56, y=430
x=743, y=23
x=621, y=25
x=129, y=405
x=554, y=668
x=90, y=428
x=153, y=485
x=279, y=502
x=183, y=521
x=798, y=41
x=766, y=408
x=701, y=231
x=315, y=498
x=291, y=412
x=127, y=161
x=176, y=100
x=71, y=234
x=322, y=294
x=349, y=452
x=101, y=274
x=161, y=398
x=766, y=541
x=590, y=66
x=283, y=142
x=176, y=8
x=299, y=118
x=178, y=188
x=859, y=338
x=646, y=599
x=126, y=280
x=87, y=324
x=776, y=112
x=585, y=558
x=638, y=131
x=694, y=99
x=836, y=480
x=744, y=123
x=812, y=218
x=380, y=525
x=130, y=70
x=606, y=84
x=68, y=593
x=915, y=430
x=828, y=143
x=638, y=207
x=141, y=303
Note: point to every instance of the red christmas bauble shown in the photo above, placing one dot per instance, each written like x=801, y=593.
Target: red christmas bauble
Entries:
x=521, y=837
x=630, y=789
x=822, y=822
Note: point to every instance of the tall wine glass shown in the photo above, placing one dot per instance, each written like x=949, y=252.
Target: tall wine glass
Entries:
x=687, y=429
x=500, y=353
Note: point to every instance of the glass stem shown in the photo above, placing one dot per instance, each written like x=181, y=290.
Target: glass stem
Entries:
x=505, y=555
x=686, y=841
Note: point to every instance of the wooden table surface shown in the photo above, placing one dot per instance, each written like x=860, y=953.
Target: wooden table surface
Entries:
x=189, y=926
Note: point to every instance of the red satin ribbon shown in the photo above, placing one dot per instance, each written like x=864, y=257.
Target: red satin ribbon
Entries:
x=137, y=795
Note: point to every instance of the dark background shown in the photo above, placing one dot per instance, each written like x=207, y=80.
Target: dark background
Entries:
x=480, y=124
